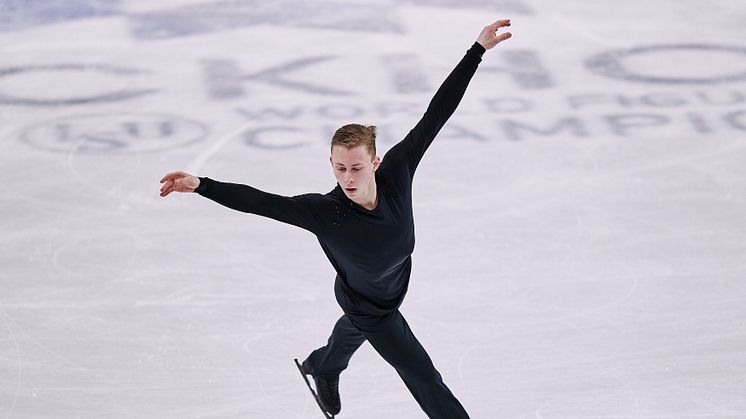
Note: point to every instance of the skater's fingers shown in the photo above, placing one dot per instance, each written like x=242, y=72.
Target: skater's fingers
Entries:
x=167, y=187
x=501, y=23
x=503, y=36
x=174, y=175
x=169, y=176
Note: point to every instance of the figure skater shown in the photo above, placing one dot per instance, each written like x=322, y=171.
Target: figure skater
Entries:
x=365, y=226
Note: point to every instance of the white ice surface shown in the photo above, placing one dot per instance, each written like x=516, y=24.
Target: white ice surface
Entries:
x=590, y=270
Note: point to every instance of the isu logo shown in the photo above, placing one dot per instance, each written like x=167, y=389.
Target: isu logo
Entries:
x=114, y=133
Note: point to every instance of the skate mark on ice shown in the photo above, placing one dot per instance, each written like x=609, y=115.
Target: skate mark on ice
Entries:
x=195, y=166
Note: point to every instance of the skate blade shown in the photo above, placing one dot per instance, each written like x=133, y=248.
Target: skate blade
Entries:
x=313, y=392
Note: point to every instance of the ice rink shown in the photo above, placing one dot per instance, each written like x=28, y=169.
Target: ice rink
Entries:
x=581, y=219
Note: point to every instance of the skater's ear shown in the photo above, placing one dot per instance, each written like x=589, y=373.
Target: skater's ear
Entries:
x=376, y=163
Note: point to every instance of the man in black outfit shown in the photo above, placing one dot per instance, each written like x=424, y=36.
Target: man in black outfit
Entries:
x=366, y=228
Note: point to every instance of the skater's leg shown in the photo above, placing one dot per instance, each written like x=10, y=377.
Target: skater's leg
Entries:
x=396, y=343
x=332, y=359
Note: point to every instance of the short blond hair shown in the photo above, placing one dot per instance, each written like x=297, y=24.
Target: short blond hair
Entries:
x=353, y=135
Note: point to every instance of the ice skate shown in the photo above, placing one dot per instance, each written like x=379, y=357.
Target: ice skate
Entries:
x=326, y=390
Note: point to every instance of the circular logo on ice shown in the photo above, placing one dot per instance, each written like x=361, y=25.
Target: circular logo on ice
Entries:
x=114, y=133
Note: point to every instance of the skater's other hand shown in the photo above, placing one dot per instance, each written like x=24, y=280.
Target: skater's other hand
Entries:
x=178, y=182
x=489, y=37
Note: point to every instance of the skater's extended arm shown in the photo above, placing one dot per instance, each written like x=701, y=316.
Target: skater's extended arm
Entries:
x=296, y=210
x=411, y=149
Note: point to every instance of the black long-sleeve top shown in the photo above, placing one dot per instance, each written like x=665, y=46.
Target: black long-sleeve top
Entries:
x=369, y=249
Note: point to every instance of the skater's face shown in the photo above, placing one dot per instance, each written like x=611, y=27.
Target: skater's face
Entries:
x=355, y=170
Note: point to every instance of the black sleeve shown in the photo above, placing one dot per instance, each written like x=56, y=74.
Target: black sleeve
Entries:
x=298, y=210
x=410, y=150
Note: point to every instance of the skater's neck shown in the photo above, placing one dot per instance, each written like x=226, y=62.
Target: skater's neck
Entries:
x=370, y=201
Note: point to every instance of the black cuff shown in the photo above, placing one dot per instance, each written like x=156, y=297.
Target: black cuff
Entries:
x=202, y=185
x=477, y=49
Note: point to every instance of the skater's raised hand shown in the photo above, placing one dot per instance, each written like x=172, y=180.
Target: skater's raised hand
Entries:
x=178, y=182
x=489, y=37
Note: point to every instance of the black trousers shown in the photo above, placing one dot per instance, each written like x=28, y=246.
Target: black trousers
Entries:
x=391, y=337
